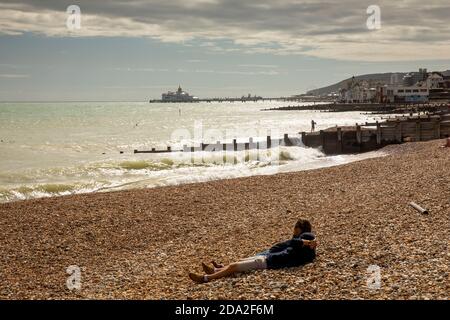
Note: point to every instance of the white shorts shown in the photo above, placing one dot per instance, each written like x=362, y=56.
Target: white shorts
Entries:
x=252, y=263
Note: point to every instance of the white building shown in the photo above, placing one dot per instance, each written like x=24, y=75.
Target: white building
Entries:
x=409, y=94
x=178, y=96
x=357, y=92
x=434, y=80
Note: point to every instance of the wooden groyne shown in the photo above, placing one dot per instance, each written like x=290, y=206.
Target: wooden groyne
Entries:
x=372, y=136
x=268, y=143
x=374, y=108
x=363, y=137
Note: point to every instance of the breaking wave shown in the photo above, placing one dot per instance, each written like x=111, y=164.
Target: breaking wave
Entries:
x=150, y=171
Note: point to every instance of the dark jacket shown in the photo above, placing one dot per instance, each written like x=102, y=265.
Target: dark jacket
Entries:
x=290, y=253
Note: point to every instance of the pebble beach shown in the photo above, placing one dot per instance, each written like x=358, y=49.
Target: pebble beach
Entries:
x=141, y=244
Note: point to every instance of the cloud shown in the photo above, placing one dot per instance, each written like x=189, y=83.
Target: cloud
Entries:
x=195, y=61
x=250, y=73
x=234, y=72
x=269, y=66
x=129, y=69
x=14, y=76
x=410, y=29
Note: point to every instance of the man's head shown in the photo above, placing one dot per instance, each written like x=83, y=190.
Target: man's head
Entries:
x=302, y=226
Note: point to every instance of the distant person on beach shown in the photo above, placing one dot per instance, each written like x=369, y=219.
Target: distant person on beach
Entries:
x=313, y=125
x=299, y=250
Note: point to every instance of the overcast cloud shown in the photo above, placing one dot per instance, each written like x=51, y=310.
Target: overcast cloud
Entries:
x=317, y=28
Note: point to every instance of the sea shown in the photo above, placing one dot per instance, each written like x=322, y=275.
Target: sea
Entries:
x=61, y=148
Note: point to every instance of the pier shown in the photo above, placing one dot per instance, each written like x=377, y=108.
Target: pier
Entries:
x=245, y=99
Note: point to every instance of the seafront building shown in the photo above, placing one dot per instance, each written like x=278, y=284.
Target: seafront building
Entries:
x=433, y=86
x=412, y=78
x=178, y=96
x=357, y=92
x=415, y=87
x=439, y=84
x=410, y=94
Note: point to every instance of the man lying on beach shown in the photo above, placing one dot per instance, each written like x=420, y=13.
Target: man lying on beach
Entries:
x=301, y=249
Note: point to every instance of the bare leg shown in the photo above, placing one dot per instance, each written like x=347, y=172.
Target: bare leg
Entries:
x=202, y=278
x=207, y=269
x=217, y=265
x=220, y=267
x=235, y=267
x=224, y=272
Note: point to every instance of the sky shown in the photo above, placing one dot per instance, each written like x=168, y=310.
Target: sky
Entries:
x=135, y=50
